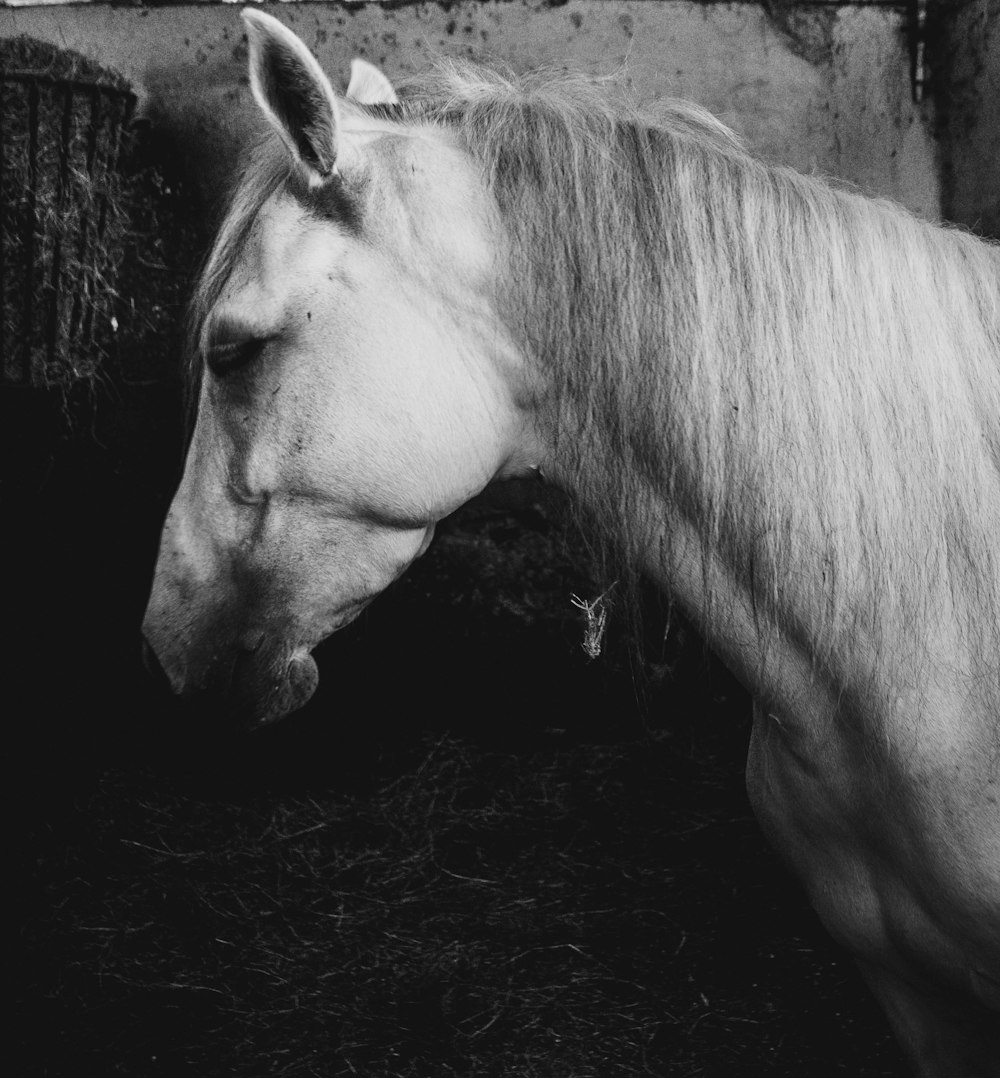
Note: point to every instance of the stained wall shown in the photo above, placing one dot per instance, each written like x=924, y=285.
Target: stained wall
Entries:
x=820, y=87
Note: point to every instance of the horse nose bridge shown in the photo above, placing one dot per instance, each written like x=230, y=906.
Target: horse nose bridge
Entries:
x=206, y=537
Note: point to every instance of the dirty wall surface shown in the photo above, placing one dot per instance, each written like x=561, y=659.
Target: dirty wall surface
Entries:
x=965, y=53
x=827, y=91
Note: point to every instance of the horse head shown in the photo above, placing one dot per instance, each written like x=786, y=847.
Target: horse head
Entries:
x=355, y=384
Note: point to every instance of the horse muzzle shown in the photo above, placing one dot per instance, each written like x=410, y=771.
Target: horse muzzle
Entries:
x=243, y=687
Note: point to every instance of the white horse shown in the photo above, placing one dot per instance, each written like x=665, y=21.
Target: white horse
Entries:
x=779, y=399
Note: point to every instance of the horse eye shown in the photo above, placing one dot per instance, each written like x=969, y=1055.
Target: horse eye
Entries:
x=230, y=356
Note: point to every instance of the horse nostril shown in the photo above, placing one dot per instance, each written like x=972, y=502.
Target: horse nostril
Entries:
x=153, y=667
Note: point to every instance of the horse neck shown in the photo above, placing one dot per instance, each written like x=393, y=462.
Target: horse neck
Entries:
x=780, y=651
x=782, y=599
x=772, y=651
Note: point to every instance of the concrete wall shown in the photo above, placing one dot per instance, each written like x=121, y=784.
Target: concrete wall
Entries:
x=818, y=87
x=964, y=58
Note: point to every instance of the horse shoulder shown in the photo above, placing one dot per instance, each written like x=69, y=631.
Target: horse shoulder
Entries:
x=893, y=824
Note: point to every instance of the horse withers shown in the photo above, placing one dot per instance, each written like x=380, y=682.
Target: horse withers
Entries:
x=781, y=399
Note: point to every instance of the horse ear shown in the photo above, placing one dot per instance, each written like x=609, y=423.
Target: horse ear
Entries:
x=368, y=86
x=293, y=93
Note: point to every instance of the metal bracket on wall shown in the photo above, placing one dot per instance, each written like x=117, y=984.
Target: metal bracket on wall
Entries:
x=918, y=40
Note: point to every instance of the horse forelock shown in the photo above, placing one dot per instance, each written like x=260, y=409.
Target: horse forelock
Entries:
x=266, y=169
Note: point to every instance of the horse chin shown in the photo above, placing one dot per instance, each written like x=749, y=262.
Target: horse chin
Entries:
x=292, y=693
x=269, y=681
